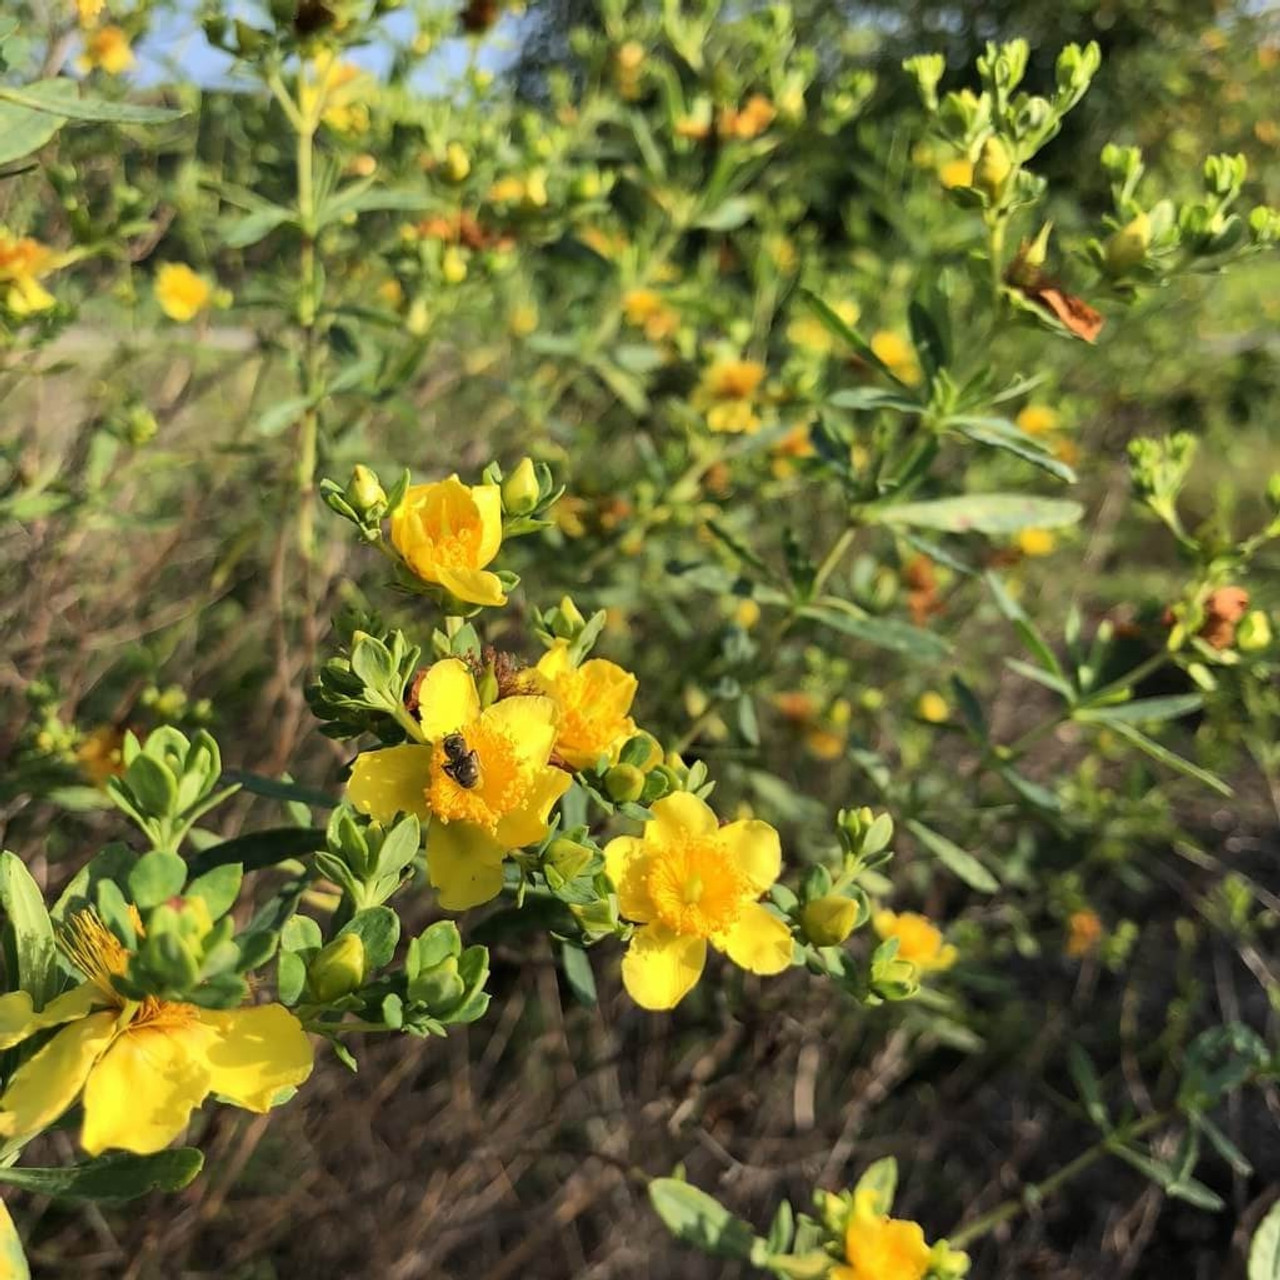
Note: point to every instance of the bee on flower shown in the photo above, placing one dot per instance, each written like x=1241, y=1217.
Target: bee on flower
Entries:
x=480, y=772
x=688, y=882
x=112, y=1053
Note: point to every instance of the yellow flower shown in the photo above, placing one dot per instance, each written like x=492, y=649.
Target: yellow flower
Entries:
x=447, y=532
x=688, y=881
x=23, y=261
x=1035, y=542
x=472, y=827
x=593, y=701
x=1084, y=931
x=140, y=1067
x=99, y=755
x=919, y=942
x=894, y=350
x=645, y=309
x=1037, y=419
x=932, y=706
x=332, y=92
x=106, y=49
x=508, y=190
x=879, y=1247
x=956, y=173
x=808, y=332
x=733, y=417
x=89, y=11
x=746, y=614
x=181, y=292
x=726, y=395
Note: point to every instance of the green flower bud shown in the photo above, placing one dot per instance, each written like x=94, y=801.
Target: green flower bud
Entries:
x=1127, y=248
x=994, y=166
x=1254, y=632
x=520, y=490
x=624, y=782
x=457, y=164
x=487, y=686
x=365, y=492
x=568, y=857
x=337, y=969
x=829, y=920
x=572, y=614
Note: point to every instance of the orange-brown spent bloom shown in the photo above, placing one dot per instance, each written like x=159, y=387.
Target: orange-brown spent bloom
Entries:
x=747, y=122
x=1084, y=932
x=1223, y=610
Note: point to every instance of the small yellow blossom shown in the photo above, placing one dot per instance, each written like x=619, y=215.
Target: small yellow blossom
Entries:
x=139, y=1067
x=726, y=394
x=878, y=1247
x=508, y=190
x=181, y=292
x=89, y=11
x=447, y=533
x=593, y=700
x=932, y=706
x=746, y=614
x=956, y=173
x=99, y=754
x=824, y=744
x=1084, y=932
x=1037, y=419
x=687, y=882
x=522, y=320
x=335, y=93
x=919, y=942
x=106, y=49
x=747, y=122
x=645, y=309
x=473, y=827
x=895, y=351
x=733, y=417
x=1035, y=542
x=23, y=262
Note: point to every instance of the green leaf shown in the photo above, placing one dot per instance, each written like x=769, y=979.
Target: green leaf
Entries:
x=996, y=433
x=259, y=849
x=49, y=96
x=255, y=226
x=24, y=129
x=957, y=860
x=1088, y=1086
x=277, y=789
x=1264, y=1252
x=157, y=877
x=379, y=929
x=1143, y=709
x=884, y=633
x=847, y=334
x=881, y=1181
x=28, y=918
x=118, y=1176
x=1166, y=757
x=729, y=216
x=218, y=887
x=112, y=865
x=579, y=974
x=694, y=1218
x=989, y=513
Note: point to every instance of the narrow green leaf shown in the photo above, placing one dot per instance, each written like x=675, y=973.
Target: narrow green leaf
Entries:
x=884, y=633
x=847, y=334
x=1166, y=757
x=989, y=513
x=696, y=1219
x=28, y=918
x=51, y=97
x=112, y=1177
x=579, y=974
x=958, y=861
x=1142, y=709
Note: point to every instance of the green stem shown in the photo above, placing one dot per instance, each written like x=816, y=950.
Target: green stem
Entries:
x=308, y=308
x=1035, y=1192
x=833, y=558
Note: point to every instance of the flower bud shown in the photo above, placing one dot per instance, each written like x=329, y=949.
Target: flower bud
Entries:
x=624, y=782
x=572, y=614
x=453, y=266
x=487, y=686
x=1128, y=247
x=520, y=490
x=457, y=164
x=993, y=168
x=337, y=969
x=829, y=920
x=567, y=856
x=365, y=492
x=1254, y=632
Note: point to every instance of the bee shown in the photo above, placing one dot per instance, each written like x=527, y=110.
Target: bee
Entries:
x=462, y=764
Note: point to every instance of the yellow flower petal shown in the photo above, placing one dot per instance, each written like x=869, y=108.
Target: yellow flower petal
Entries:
x=464, y=865
x=447, y=699
x=48, y=1083
x=259, y=1051
x=18, y=1020
x=393, y=780
x=530, y=721
x=473, y=586
x=529, y=822
x=488, y=504
x=759, y=941
x=626, y=863
x=661, y=967
x=555, y=661
x=679, y=816
x=142, y=1091
x=756, y=849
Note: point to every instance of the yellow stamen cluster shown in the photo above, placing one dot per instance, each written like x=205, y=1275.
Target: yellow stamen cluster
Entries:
x=94, y=950
x=505, y=779
x=696, y=889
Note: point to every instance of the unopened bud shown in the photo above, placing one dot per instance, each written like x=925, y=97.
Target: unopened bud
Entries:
x=993, y=168
x=572, y=614
x=568, y=856
x=1128, y=246
x=520, y=490
x=337, y=969
x=365, y=492
x=829, y=920
x=1254, y=632
x=624, y=782
x=487, y=686
x=457, y=164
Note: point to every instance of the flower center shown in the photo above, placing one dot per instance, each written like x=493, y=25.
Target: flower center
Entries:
x=453, y=548
x=502, y=786
x=696, y=889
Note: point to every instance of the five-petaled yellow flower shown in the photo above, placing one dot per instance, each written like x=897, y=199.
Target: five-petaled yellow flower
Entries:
x=106, y=49
x=23, y=261
x=919, y=942
x=593, y=700
x=878, y=1247
x=181, y=292
x=689, y=881
x=447, y=532
x=472, y=827
x=727, y=395
x=334, y=92
x=140, y=1067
